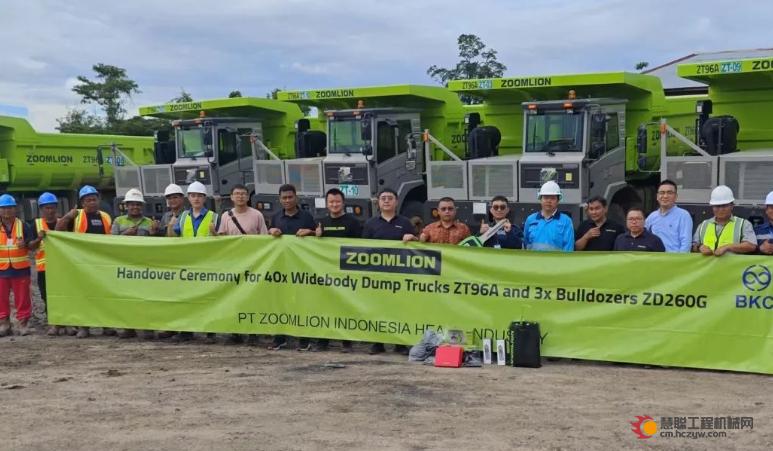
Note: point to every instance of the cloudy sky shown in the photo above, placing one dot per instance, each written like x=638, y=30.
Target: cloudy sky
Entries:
x=210, y=48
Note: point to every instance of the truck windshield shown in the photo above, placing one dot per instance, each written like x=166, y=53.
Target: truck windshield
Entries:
x=191, y=143
x=554, y=132
x=345, y=136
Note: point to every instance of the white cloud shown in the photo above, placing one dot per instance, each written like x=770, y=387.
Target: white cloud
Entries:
x=210, y=49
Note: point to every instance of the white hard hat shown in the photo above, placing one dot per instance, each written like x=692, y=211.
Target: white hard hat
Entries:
x=721, y=195
x=173, y=188
x=550, y=188
x=769, y=199
x=134, y=195
x=197, y=187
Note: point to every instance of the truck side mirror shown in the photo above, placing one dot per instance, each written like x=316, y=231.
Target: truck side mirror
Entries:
x=367, y=150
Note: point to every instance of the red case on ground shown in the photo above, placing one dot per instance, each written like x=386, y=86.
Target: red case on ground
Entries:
x=449, y=356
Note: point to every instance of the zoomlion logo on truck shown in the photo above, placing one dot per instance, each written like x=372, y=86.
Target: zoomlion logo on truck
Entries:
x=50, y=158
x=172, y=107
x=522, y=82
x=384, y=259
x=326, y=94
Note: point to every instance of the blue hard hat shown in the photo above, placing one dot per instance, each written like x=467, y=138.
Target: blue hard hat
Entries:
x=6, y=200
x=47, y=199
x=87, y=190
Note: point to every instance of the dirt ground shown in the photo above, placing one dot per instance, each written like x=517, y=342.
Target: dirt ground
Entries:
x=107, y=393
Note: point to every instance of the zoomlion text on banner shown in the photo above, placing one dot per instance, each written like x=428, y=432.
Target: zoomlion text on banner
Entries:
x=626, y=307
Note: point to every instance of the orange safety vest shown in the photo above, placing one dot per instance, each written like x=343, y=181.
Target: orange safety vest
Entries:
x=82, y=224
x=40, y=255
x=13, y=253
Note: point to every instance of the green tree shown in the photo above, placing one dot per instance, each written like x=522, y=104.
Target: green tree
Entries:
x=234, y=93
x=109, y=90
x=81, y=121
x=183, y=97
x=141, y=126
x=476, y=61
x=641, y=65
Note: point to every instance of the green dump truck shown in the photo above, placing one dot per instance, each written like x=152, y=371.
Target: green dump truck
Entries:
x=214, y=142
x=617, y=135
x=32, y=162
x=581, y=131
x=375, y=140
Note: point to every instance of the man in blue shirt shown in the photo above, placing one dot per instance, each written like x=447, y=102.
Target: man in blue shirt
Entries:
x=549, y=229
x=764, y=231
x=673, y=225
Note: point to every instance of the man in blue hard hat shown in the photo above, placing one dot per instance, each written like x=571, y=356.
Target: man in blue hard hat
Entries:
x=87, y=219
x=17, y=240
x=47, y=204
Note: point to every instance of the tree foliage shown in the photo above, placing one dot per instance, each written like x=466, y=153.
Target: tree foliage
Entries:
x=109, y=90
x=475, y=61
x=183, y=97
x=641, y=65
x=234, y=93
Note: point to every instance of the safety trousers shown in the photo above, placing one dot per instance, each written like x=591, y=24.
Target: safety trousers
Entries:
x=21, y=296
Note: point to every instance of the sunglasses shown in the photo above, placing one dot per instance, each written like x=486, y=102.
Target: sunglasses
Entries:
x=499, y=207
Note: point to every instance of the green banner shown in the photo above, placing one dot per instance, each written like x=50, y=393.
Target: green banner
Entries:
x=662, y=309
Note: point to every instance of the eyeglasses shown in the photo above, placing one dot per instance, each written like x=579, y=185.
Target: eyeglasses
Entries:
x=499, y=207
x=666, y=193
x=387, y=198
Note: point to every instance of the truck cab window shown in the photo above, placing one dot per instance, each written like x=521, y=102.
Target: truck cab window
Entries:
x=613, y=132
x=385, y=142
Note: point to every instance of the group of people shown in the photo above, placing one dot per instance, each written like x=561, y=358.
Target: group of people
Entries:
x=667, y=229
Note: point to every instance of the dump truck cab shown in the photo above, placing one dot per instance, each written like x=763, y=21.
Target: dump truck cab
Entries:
x=374, y=141
x=213, y=142
x=580, y=131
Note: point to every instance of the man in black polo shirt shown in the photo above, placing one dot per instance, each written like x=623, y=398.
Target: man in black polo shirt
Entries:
x=638, y=238
x=337, y=224
x=291, y=220
x=388, y=225
x=598, y=233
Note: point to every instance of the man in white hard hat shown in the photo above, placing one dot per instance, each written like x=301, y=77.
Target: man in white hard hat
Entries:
x=134, y=223
x=175, y=201
x=549, y=229
x=724, y=232
x=196, y=222
x=764, y=231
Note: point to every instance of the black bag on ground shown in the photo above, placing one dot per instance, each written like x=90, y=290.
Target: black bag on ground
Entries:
x=525, y=344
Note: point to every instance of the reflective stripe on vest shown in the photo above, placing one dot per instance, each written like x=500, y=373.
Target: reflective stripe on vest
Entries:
x=40, y=255
x=82, y=223
x=12, y=255
x=731, y=233
x=186, y=225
